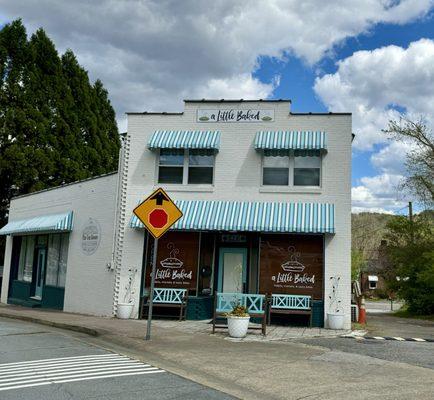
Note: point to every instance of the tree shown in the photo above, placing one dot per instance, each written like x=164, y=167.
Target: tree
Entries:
x=420, y=158
x=358, y=262
x=56, y=127
x=410, y=254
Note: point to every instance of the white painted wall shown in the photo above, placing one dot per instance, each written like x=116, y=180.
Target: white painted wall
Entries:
x=89, y=281
x=237, y=177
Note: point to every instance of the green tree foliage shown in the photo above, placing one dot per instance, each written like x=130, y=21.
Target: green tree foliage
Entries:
x=358, y=262
x=420, y=158
x=56, y=127
x=410, y=253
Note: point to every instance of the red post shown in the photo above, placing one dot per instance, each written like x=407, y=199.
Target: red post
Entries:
x=362, y=312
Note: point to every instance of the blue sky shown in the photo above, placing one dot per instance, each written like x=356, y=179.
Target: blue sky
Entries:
x=373, y=58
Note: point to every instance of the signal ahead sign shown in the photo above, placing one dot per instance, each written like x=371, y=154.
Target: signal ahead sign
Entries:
x=158, y=213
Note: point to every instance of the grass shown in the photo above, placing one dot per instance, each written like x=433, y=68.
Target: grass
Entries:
x=404, y=313
x=355, y=326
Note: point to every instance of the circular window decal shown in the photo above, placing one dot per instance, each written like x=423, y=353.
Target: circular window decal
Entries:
x=90, y=237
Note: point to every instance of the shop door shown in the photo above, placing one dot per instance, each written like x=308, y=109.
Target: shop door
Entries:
x=232, y=270
x=41, y=253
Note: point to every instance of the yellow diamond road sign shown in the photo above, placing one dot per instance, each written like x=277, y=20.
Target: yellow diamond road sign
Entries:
x=158, y=213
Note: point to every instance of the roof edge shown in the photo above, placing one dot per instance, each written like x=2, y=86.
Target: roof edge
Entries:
x=321, y=113
x=64, y=185
x=237, y=101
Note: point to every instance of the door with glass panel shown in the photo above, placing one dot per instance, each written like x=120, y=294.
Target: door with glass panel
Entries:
x=232, y=270
x=41, y=257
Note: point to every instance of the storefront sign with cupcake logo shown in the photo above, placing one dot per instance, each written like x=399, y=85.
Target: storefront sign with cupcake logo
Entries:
x=291, y=265
x=235, y=115
x=176, y=261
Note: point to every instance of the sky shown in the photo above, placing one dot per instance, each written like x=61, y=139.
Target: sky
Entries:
x=373, y=58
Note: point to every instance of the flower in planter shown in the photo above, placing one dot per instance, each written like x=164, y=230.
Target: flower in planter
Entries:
x=238, y=311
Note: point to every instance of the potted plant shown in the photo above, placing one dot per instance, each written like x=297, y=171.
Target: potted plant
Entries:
x=238, y=321
x=125, y=308
x=335, y=317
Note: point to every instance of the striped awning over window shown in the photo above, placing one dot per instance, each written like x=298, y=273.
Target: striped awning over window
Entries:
x=44, y=223
x=185, y=140
x=290, y=140
x=253, y=216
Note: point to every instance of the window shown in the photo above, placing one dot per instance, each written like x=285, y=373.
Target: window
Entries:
x=171, y=166
x=186, y=166
x=276, y=170
x=56, y=260
x=300, y=168
x=25, y=266
x=200, y=166
x=307, y=167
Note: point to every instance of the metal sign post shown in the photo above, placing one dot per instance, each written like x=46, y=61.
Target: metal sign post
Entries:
x=151, y=294
x=158, y=213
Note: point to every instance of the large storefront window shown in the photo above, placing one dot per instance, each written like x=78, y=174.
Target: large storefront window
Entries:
x=57, y=259
x=25, y=266
x=177, y=261
x=292, y=264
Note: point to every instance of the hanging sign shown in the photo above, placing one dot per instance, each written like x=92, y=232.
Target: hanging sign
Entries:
x=234, y=115
x=158, y=213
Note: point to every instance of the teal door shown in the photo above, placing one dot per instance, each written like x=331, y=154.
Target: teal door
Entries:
x=232, y=270
x=41, y=253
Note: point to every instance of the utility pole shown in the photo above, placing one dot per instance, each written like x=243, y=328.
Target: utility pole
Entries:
x=410, y=211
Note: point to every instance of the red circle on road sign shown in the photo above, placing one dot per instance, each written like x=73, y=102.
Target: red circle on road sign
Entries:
x=158, y=218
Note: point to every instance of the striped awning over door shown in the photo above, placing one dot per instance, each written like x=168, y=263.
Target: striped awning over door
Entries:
x=290, y=140
x=253, y=216
x=44, y=223
x=185, y=140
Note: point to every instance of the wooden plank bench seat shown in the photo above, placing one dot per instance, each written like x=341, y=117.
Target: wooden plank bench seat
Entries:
x=290, y=304
x=255, y=304
x=166, y=298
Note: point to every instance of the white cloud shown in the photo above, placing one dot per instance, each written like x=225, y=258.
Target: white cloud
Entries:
x=378, y=192
x=151, y=54
x=372, y=83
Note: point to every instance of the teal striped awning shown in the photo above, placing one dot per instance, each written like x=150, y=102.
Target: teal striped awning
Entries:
x=44, y=223
x=290, y=140
x=253, y=216
x=185, y=140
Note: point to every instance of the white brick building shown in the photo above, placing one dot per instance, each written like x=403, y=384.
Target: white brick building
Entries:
x=290, y=172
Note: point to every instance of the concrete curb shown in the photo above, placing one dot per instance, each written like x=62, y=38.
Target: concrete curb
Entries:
x=60, y=325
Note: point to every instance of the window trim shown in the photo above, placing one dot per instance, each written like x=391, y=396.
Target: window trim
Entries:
x=185, y=169
x=291, y=167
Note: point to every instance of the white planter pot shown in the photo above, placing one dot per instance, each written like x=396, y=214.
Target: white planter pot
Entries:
x=125, y=310
x=238, y=326
x=335, y=321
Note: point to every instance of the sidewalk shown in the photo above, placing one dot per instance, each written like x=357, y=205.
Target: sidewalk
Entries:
x=248, y=369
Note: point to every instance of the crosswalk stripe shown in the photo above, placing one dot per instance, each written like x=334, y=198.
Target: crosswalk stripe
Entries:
x=419, y=340
x=62, y=366
x=60, y=359
x=379, y=337
x=82, y=379
x=69, y=372
x=399, y=338
x=46, y=372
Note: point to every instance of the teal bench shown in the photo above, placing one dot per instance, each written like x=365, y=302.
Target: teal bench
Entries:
x=290, y=304
x=166, y=298
x=254, y=303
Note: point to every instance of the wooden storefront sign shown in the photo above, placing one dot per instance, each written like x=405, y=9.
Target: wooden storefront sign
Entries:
x=292, y=264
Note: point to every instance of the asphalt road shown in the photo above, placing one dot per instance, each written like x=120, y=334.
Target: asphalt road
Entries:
x=413, y=353
x=42, y=363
